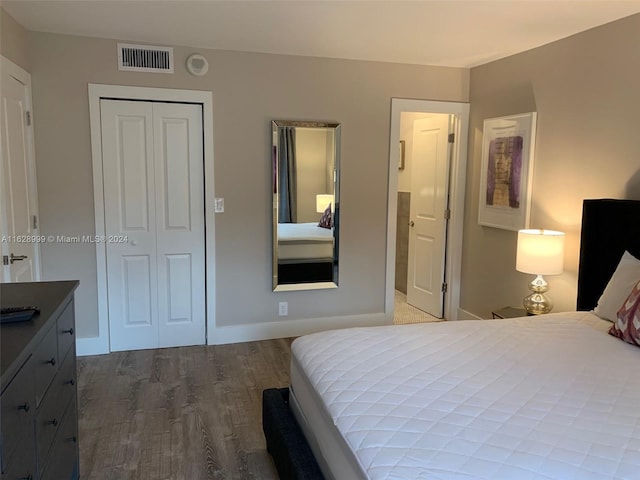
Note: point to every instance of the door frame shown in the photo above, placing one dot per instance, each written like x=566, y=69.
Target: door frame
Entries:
x=24, y=77
x=100, y=344
x=457, y=182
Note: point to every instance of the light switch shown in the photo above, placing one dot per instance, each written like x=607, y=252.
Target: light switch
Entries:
x=218, y=205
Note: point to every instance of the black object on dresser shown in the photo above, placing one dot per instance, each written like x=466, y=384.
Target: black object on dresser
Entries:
x=39, y=417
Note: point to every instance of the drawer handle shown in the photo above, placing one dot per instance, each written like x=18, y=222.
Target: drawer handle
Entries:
x=26, y=407
x=52, y=361
x=53, y=422
x=70, y=331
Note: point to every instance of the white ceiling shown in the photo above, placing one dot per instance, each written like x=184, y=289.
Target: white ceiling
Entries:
x=457, y=33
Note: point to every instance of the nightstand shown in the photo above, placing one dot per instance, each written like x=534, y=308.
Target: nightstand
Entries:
x=509, y=312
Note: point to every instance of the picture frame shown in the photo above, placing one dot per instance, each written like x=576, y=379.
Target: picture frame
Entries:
x=506, y=175
x=401, y=156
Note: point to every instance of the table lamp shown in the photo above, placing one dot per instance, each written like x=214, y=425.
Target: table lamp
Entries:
x=539, y=252
x=322, y=201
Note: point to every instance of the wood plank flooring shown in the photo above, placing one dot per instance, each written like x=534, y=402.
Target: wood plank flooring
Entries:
x=188, y=413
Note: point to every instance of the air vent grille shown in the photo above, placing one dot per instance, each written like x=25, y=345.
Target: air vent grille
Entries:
x=145, y=58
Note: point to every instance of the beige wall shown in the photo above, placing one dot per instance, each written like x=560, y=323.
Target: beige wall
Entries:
x=249, y=90
x=13, y=40
x=585, y=90
x=312, y=155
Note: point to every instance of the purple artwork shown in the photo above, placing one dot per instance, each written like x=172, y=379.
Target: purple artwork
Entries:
x=504, y=172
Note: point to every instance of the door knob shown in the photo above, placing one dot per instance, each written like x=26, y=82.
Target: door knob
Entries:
x=16, y=258
x=133, y=243
x=411, y=224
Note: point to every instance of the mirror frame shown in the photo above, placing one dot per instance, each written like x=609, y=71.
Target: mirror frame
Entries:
x=275, y=128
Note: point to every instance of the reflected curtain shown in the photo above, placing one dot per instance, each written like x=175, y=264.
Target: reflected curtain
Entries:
x=287, y=204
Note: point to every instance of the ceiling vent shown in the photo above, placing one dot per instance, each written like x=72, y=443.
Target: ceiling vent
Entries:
x=145, y=58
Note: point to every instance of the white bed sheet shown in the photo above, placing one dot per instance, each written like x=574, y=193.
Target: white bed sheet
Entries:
x=304, y=241
x=550, y=397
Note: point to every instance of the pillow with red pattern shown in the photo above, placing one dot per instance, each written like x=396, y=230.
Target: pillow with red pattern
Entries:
x=627, y=326
x=326, y=221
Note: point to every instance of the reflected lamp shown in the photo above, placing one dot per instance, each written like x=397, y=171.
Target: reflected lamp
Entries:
x=539, y=252
x=322, y=201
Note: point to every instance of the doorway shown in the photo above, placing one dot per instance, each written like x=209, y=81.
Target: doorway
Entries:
x=426, y=189
x=168, y=132
x=423, y=188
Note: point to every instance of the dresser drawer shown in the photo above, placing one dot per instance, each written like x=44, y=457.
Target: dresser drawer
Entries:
x=65, y=380
x=23, y=462
x=17, y=412
x=53, y=407
x=45, y=359
x=66, y=331
x=63, y=461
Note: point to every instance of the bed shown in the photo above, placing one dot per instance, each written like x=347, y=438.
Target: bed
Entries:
x=305, y=253
x=548, y=397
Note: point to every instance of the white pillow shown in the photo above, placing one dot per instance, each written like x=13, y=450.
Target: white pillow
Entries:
x=625, y=277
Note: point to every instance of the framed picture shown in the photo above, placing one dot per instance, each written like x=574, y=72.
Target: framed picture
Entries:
x=506, y=174
x=401, y=156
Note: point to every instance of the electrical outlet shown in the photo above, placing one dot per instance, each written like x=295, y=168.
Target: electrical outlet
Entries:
x=283, y=309
x=218, y=205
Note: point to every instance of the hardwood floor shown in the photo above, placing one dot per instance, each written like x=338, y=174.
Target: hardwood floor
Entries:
x=188, y=413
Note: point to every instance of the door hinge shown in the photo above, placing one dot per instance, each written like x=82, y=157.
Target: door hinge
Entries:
x=35, y=222
x=452, y=137
x=444, y=287
x=28, y=118
x=447, y=214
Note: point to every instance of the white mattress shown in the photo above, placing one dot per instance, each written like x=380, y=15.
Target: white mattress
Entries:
x=550, y=397
x=304, y=241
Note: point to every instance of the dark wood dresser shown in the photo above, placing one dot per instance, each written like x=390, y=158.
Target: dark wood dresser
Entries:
x=39, y=416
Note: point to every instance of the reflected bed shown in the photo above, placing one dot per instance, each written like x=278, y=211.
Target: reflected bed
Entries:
x=304, y=242
x=551, y=397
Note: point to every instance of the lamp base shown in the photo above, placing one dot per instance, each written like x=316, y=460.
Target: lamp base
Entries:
x=537, y=303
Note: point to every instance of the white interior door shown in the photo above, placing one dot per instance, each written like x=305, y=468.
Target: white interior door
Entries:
x=18, y=211
x=428, y=224
x=154, y=223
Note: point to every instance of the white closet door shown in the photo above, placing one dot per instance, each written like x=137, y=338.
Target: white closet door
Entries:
x=179, y=180
x=130, y=224
x=154, y=220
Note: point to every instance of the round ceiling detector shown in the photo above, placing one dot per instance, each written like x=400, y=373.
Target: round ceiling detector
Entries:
x=197, y=65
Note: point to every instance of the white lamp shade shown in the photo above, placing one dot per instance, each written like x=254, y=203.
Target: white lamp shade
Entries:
x=540, y=252
x=323, y=201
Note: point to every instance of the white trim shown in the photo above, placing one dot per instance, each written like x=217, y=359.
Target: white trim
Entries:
x=291, y=328
x=456, y=196
x=91, y=346
x=24, y=77
x=304, y=286
x=100, y=344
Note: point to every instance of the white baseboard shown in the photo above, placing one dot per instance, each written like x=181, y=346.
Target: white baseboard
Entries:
x=465, y=315
x=257, y=331
x=291, y=328
x=91, y=346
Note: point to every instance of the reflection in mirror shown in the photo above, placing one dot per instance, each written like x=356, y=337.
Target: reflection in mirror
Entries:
x=306, y=205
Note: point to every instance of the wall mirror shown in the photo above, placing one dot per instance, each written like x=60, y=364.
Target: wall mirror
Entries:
x=306, y=205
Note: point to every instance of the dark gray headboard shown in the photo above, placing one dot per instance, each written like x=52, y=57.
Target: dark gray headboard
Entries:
x=609, y=227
